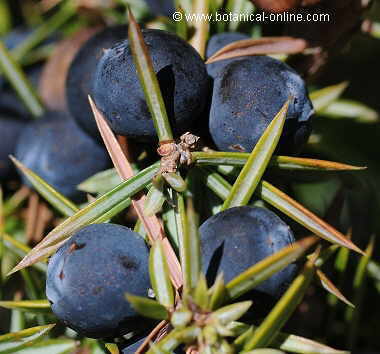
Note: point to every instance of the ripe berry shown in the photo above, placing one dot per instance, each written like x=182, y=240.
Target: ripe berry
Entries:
x=89, y=275
x=217, y=42
x=81, y=73
x=10, y=130
x=9, y=101
x=63, y=155
x=181, y=74
x=247, y=96
x=237, y=238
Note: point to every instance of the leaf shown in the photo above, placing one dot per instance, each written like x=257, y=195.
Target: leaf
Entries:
x=6, y=18
x=215, y=182
x=27, y=305
x=66, y=11
x=264, y=269
x=194, y=240
x=175, y=181
x=56, y=199
x=19, y=82
x=353, y=314
x=112, y=348
x=118, y=208
x=253, y=170
x=189, y=272
x=260, y=46
x=304, y=164
x=242, y=339
x=284, y=341
x=181, y=317
x=217, y=158
x=296, y=344
x=373, y=270
x=231, y=313
x=19, y=249
x=285, y=204
x=51, y=346
x=154, y=201
x=274, y=321
x=14, y=342
x=218, y=292
x=200, y=293
x=15, y=201
x=324, y=97
x=148, y=80
x=176, y=337
x=101, y=182
x=331, y=288
x=147, y=307
x=160, y=276
x=171, y=227
x=88, y=215
x=17, y=320
x=151, y=223
x=297, y=212
x=289, y=163
x=326, y=254
x=199, y=39
x=350, y=109
x=123, y=168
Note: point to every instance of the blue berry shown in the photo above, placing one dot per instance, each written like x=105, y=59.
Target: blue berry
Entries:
x=88, y=277
x=247, y=95
x=237, y=238
x=62, y=154
x=181, y=74
x=9, y=101
x=10, y=130
x=81, y=75
x=217, y=42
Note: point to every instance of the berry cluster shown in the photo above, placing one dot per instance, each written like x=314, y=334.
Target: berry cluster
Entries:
x=237, y=99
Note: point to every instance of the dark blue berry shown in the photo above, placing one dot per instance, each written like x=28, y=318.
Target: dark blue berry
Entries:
x=247, y=95
x=10, y=130
x=89, y=275
x=9, y=101
x=237, y=238
x=217, y=42
x=56, y=149
x=81, y=74
x=181, y=74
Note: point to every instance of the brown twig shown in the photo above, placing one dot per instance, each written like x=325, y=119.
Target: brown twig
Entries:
x=151, y=223
x=31, y=215
x=125, y=147
x=142, y=348
x=44, y=216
